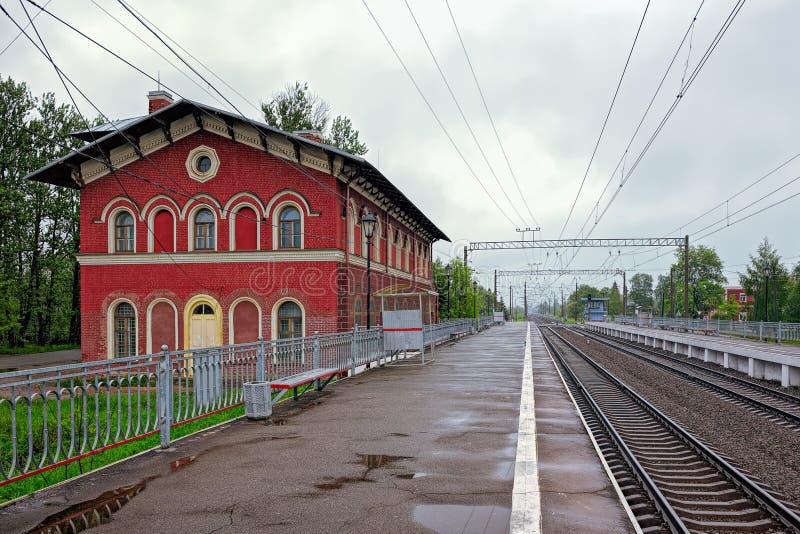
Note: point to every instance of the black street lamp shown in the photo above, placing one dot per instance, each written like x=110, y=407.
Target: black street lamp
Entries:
x=368, y=227
x=448, y=269
x=474, y=300
x=766, y=294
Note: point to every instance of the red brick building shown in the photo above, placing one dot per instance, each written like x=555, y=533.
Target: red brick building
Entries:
x=745, y=301
x=201, y=228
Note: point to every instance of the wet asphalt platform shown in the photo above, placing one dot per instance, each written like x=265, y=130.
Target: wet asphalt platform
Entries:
x=395, y=449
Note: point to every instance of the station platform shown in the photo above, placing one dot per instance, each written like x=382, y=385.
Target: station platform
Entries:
x=484, y=439
x=769, y=361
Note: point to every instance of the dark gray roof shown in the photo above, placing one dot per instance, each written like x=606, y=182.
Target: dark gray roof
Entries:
x=101, y=139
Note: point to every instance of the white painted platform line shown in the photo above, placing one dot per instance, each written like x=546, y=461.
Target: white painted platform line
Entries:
x=526, y=508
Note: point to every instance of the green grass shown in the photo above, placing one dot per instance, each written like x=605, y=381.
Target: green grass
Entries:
x=79, y=467
x=33, y=349
x=99, y=408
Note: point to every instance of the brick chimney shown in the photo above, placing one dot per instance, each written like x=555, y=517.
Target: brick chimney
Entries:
x=314, y=135
x=157, y=100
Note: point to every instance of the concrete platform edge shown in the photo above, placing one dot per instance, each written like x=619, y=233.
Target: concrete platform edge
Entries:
x=603, y=462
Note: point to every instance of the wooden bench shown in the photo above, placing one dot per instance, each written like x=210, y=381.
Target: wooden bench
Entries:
x=456, y=335
x=306, y=378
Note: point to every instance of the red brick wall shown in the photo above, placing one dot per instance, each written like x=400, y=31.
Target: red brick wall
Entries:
x=325, y=290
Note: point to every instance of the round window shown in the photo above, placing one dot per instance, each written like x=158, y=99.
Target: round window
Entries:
x=203, y=164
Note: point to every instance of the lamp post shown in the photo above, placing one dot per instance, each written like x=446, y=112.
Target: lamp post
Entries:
x=766, y=294
x=448, y=269
x=474, y=300
x=368, y=227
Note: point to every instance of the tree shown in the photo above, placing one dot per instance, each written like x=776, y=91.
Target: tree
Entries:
x=39, y=230
x=705, y=281
x=728, y=310
x=297, y=108
x=791, y=306
x=614, y=300
x=661, y=296
x=344, y=136
x=754, y=283
x=641, y=290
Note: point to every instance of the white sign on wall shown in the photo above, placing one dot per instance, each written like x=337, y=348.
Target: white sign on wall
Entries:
x=499, y=317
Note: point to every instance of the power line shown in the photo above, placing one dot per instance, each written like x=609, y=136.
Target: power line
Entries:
x=644, y=115
x=435, y=115
x=14, y=40
x=605, y=122
x=461, y=112
x=488, y=113
x=709, y=50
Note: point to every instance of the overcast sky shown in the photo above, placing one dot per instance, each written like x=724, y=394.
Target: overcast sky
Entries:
x=548, y=69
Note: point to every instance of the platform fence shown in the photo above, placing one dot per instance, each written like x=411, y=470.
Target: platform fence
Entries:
x=760, y=330
x=52, y=416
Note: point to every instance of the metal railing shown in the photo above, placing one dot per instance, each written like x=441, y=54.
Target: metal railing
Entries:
x=761, y=330
x=55, y=415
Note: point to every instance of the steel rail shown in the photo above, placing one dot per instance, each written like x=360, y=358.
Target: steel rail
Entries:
x=793, y=418
x=772, y=505
x=662, y=504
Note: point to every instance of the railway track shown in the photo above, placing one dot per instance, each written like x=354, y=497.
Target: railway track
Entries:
x=671, y=480
x=775, y=405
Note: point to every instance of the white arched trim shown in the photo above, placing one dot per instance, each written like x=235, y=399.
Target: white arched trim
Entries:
x=276, y=224
x=112, y=229
x=298, y=199
x=110, y=338
x=151, y=221
x=190, y=219
x=174, y=205
x=231, y=330
x=202, y=198
x=150, y=348
x=351, y=228
x=134, y=209
x=251, y=200
x=275, y=315
x=232, y=225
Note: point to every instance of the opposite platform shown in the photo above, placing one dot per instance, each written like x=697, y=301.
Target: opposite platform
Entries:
x=770, y=361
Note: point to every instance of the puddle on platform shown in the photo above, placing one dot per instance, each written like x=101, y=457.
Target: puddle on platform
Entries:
x=399, y=434
x=409, y=476
x=91, y=513
x=339, y=482
x=374, y=461
x=504, y=470
x=463, y=519
x=181, y=462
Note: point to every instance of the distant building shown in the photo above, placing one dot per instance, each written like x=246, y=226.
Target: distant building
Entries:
x=595, y=308
x=744, y=300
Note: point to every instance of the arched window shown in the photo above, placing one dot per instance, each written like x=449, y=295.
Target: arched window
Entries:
x=290, y=320
x=123, y=232
x=163, y=231
x=289, y=228
x=204, y=233
x=124, y=330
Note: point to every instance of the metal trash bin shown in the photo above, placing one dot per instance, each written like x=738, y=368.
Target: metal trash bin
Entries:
x=257, y=400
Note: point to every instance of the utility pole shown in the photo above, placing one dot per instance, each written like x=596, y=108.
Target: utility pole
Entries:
x=686, y=277
x=576, y=300
x=510, y=302
x=624, y=295
x=495, y=291
x=465, y=255
x=563, y=313
x=671, y=292
x=525, y=298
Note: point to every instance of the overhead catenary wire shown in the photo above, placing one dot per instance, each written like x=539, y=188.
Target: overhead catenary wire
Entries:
x=489, y=114
x=463, y=115
x=435, y=115
x=693, y=76
x=605, y=121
